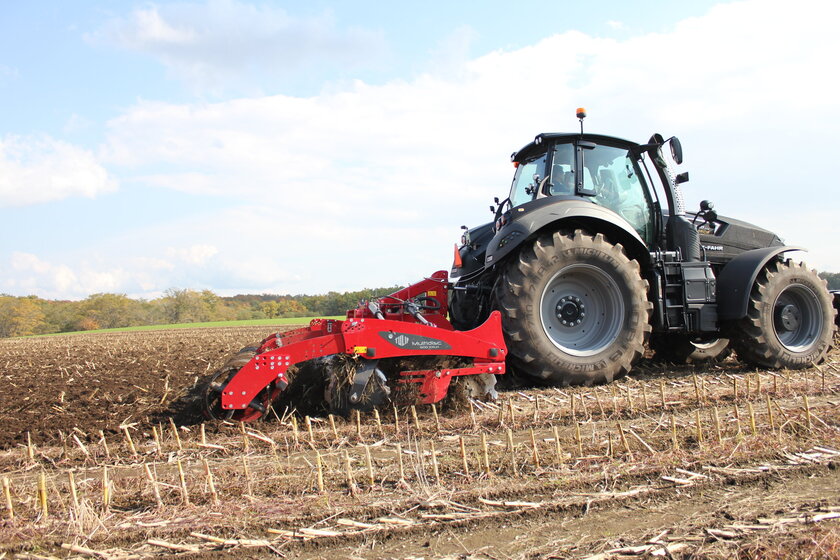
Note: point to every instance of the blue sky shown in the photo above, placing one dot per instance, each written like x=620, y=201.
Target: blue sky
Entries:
x=249, y=147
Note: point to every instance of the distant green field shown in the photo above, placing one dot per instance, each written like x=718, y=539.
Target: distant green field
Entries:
x=248, y=323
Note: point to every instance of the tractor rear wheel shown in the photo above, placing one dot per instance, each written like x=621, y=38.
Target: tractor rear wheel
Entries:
x=790, y=319
x=574, y=309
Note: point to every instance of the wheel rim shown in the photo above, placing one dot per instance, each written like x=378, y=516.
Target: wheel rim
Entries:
x=707, y=345
x=581, y=309
x=797, y=318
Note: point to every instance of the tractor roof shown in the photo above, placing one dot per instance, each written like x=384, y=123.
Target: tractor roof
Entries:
x=560, y=137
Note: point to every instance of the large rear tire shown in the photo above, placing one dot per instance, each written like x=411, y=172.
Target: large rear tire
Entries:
x=574, y=310
x=790, y=319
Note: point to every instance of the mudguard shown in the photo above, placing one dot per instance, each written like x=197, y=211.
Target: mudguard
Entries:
x=735, y=281
x=533, y=216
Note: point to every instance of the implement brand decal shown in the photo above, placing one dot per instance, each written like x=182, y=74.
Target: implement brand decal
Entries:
x=414, y=341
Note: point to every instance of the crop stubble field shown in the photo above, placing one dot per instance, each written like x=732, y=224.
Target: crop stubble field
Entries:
x=712, y=461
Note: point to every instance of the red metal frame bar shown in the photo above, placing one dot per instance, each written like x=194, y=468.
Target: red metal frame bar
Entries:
x=434, y=383
x=371, y=339
x=434, y=287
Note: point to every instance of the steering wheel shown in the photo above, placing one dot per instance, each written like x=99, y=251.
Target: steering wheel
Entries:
x=608, y=195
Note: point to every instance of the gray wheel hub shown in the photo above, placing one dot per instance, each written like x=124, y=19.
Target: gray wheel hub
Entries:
x=788, y=318
x=571, y=311
x=582, y=309
x=797, y=318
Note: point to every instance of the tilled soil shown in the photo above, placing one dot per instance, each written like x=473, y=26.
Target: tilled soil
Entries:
x=94, y=382
x=712, y=461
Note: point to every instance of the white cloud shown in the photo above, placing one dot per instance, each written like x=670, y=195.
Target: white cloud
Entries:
x=9, y=72
x=724, y=82
x=613, y=24
x=33, y=275
x=192, y=255
x=77, y=123
x=366, y=186
x=37, y=169
x=215, y=44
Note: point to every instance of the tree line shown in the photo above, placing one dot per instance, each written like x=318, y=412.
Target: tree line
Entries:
x=22, y=316
x=28, y=315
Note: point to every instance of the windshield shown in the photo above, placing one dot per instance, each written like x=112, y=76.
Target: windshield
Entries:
x=524, y=186
x=613, y=176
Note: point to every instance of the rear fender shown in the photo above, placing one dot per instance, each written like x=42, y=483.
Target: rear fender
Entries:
x=573, y=213
x=735, y=281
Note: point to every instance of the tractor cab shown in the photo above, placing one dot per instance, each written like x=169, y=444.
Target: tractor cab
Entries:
x=603, y=170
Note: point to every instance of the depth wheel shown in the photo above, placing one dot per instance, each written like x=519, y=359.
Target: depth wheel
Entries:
x=790, y=319
x=574, y=310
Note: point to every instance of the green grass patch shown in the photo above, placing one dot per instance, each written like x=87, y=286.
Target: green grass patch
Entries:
x=247, y=323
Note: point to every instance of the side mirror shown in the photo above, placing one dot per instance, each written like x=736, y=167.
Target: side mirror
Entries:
x=676, y=149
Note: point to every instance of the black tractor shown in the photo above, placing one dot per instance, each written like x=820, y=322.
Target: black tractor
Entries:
x=592, y=255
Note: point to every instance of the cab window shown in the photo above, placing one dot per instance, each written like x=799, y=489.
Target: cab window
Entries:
x=562, y=170
x=612, y=174
x=524, y=187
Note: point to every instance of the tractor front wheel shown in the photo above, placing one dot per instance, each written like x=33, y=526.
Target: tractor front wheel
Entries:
x=574, y=309
x=790, y=319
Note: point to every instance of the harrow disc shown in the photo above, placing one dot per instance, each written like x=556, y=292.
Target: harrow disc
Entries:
x=480, y=387
x=338, y=393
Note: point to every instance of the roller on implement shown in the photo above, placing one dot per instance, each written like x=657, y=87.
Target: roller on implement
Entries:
x=397, y=348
